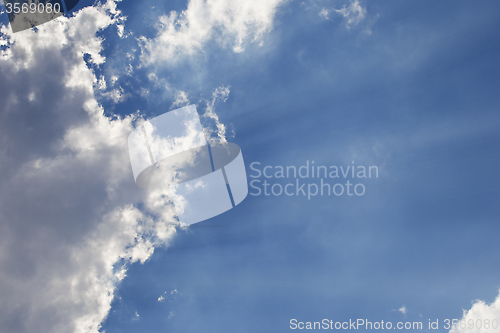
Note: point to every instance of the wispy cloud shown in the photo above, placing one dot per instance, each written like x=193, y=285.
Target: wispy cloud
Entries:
x=353, y=13
x=215, y=129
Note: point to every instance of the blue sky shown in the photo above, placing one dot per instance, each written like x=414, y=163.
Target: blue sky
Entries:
x=410, y=87
x=419, y=98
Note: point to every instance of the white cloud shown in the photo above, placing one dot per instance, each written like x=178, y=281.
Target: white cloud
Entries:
x=217, y=134
x=324, y=13
x=68, y=223
x=479, y=317
x=181, y=99
x=231, y=23
x=353, y=14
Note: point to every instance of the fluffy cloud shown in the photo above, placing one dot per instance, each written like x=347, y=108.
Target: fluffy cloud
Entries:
x=231, y=23
x=480, y=315
x=68, y=219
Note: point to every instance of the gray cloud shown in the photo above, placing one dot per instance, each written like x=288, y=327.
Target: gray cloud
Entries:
x=67, y=197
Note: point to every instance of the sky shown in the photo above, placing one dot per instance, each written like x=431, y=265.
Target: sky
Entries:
x=408, y=87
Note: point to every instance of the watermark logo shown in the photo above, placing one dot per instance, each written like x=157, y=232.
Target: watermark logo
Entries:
x=26, y=14
x=170, y=153
x=310, y=180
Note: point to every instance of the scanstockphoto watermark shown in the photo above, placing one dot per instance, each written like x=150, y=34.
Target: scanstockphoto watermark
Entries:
x=310, y=180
